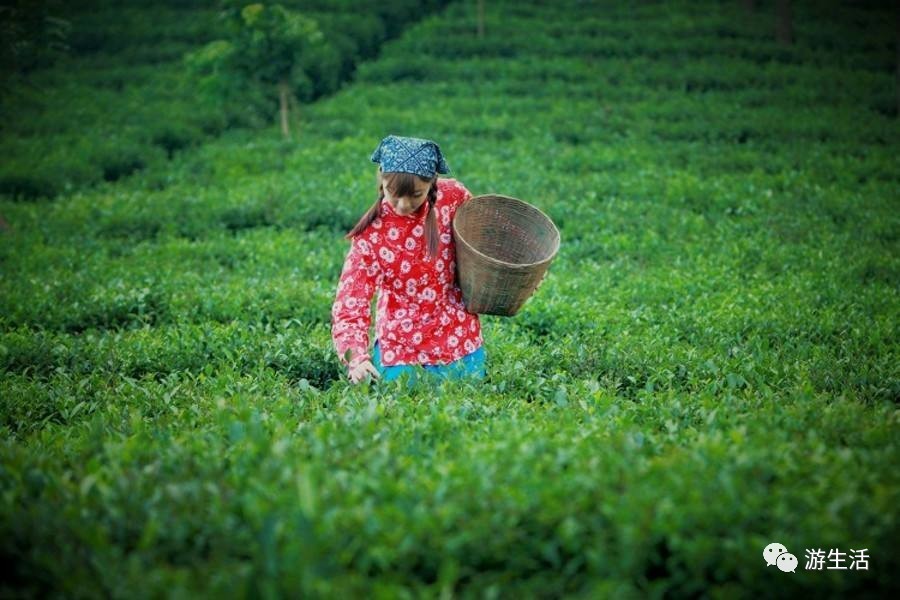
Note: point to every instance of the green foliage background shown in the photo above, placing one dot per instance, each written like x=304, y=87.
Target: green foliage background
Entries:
x=128, y=95
x=710, y=366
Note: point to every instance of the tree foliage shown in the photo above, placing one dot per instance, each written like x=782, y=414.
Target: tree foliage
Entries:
x=270, y=50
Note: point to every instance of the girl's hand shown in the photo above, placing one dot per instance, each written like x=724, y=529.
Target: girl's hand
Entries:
x=360, y=371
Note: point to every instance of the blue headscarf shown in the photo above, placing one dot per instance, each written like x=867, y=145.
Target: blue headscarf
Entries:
x=398, y=154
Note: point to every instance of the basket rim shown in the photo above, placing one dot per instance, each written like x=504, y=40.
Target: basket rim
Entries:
x=497, y=261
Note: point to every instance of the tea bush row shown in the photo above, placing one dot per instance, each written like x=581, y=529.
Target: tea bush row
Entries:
x=415, y=518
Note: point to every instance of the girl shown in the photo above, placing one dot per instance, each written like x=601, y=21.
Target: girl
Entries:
x=403, y=248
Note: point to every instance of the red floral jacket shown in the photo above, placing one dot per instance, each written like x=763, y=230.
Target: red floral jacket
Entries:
x=420, y=315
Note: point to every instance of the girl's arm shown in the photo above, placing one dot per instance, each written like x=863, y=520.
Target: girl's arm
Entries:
x=350, y=312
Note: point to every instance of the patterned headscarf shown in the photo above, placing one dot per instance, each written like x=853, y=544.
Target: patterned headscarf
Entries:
x=398, y=154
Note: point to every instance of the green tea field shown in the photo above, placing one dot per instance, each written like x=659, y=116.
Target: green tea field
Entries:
x=710, y=367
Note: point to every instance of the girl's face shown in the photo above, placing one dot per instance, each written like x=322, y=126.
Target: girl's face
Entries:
x=410, y=203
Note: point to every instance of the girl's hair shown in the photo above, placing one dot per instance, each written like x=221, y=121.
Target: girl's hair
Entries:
x=404, y=184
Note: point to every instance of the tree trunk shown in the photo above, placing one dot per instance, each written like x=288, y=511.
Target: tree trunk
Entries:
x=784, y=30
x=295, y=110
x=481, y=19
x=283, y=94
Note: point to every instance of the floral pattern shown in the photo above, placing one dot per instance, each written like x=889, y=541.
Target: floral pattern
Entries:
x=420, y=315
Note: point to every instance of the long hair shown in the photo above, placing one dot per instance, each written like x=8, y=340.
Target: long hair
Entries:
x=403, y=184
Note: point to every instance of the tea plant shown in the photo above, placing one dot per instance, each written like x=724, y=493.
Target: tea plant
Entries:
x=710, y=365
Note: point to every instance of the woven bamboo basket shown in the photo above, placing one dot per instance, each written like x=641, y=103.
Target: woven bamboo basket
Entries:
x=504, y=247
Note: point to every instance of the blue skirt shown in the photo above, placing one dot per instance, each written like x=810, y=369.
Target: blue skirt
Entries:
x=470, y=365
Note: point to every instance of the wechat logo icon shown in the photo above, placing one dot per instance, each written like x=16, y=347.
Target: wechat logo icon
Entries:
x=778, y=555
